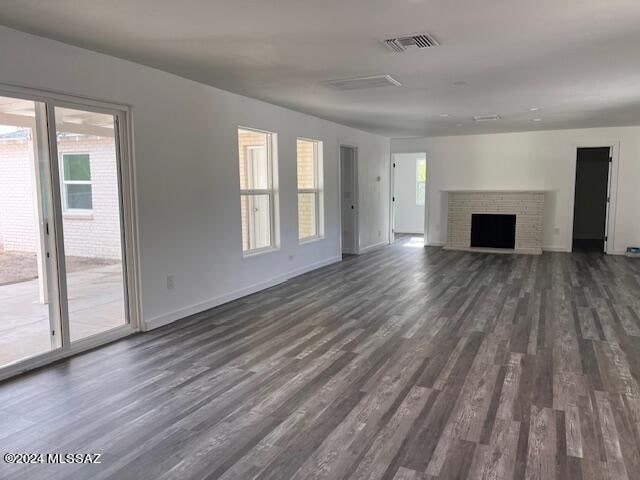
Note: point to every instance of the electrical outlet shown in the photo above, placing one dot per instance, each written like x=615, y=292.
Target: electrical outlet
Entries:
x=170, y=282
x=291, y=258
x=556, y=230
x=379, y=234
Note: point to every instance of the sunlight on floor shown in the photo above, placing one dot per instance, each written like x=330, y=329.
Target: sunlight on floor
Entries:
x=413, y=242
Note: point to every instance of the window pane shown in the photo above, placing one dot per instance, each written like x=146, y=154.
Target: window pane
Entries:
x=421, y=177
x=77, y=167
x=306, y=164
x=92, y=245
x=306, y=215
x=421, y=170
x=256, y=222
x=420, y=191
x=244, y=206
x=28, y=302
x=253, y=149
x=79, y=196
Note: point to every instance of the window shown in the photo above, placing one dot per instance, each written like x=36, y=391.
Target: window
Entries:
x=256, y=152
x=76, y=180
x=309, y=161
x=421, y=178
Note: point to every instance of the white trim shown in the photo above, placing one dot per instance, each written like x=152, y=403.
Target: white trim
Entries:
x=305, y=240
x=77, y=347
x=83, y=212
x=42, y=95
x=610, y=226
x=427, y=203
x=317, y=190
x=375, y=246
x=271, y=191
x=418, y=182
x=259, y=251
x=129, y=225
x=171, y=317
x=392, y=193
x=434, y=244
x=555, y=249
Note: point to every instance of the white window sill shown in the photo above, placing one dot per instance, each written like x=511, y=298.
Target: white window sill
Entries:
x=260, y=251
x=304, y=241
x=81, y=215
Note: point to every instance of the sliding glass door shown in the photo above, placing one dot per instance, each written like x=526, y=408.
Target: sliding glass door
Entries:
x=91, y=221
x=29, y=317
x=62, y=257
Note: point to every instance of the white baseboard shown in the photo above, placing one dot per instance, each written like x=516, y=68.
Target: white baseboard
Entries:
x=434, y=244
x=171, y=317
x=408, y=232
x=568, y=250
x=556, y=249
x=373, y=247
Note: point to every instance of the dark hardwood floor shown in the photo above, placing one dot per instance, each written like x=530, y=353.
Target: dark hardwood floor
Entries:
x=404, y=363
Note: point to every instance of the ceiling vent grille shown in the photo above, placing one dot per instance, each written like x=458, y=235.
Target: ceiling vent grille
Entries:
x=365, y=82
x=487, y=118
x=420, y=40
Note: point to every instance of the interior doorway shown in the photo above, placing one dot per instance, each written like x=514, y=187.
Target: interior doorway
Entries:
x=408, y=198
x=349, y=199
x=592, y=199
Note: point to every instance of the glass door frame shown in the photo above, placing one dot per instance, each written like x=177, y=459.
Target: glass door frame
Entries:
x=128, y=226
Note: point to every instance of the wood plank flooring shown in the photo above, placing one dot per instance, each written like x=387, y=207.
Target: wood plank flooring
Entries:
x=402, y=364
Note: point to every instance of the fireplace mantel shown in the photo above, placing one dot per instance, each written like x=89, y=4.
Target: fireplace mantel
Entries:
x=527, y=205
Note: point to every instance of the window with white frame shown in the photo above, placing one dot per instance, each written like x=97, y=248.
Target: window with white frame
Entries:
x=76, y=182
x=421, y=180
x=309, y=166
x=257, y=171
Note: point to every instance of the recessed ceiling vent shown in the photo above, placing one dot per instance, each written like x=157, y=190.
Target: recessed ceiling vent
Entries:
x=419, y=40
x=365, y=82
x=486, y=118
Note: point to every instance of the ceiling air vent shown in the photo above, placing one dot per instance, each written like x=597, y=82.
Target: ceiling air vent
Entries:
x=365, y=82
x=419, y=40
x=486, y=118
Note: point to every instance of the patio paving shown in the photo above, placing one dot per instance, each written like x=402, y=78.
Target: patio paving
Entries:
x=96, y=304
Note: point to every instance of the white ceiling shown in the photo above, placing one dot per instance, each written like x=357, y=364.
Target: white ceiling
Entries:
x=577, y=60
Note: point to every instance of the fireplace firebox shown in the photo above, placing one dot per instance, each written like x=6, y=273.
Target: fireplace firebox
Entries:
x=491, y=230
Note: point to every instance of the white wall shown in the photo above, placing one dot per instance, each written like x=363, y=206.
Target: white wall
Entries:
x=187, y=174
x=531, y=160
x=408, y=216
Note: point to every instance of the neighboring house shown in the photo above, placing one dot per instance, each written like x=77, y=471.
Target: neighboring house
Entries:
x=89, y=189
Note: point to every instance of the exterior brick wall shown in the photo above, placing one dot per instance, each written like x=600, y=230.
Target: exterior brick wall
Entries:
x=527, y=206
x=96, y=234
x=17, y=207
x=306, y=207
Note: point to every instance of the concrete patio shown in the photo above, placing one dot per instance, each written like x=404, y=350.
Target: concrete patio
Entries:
x=96, y=304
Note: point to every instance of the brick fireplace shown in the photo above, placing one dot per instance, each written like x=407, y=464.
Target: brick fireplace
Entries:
x=527, y=206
